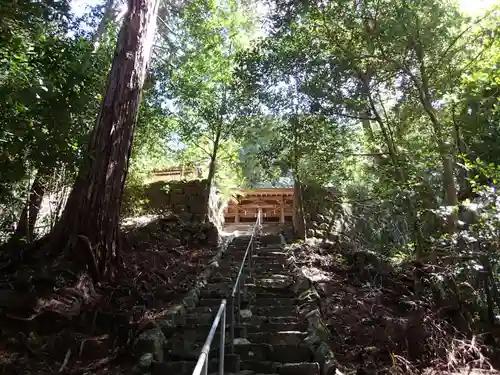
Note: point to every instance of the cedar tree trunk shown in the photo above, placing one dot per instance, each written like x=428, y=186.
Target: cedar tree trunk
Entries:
x=89, y=224
x=26, y=226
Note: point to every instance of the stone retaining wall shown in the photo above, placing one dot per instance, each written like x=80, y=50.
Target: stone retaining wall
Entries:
x=318, y=333
x=186, y=199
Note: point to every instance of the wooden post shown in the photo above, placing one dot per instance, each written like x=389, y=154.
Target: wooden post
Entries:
x=237, y=217
x=282, y=209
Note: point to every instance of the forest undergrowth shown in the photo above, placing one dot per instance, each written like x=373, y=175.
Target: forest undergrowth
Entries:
x=53, y=320
x=385, y=318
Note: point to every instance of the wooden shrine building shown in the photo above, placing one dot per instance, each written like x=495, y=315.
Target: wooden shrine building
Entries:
x=276, y=205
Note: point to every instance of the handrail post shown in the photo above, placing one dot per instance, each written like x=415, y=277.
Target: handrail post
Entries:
x=232, y=324
x=239, y=304
x=250, y=261
x=222, y=342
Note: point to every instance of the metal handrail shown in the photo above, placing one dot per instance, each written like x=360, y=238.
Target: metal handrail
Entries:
x=202, y=363
x=237, y=284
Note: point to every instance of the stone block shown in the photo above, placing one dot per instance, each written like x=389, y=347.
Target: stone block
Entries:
x=146, y=360
x=150, y=341
x=232, y=363
x=300, y=369
x=301, y=285
x=190, y=300
x=317, y=326
x=261, y=352
x=265, y=367
x=175, y=316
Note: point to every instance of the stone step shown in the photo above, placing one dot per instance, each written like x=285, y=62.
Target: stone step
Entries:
x=241, y=246
x=216, y=293
x=270, y=239
x=216, y=289
x=260, y=250
x=199, y=332
x=269, y=291
x=273, y=353
x=229, y=276
x=204, y=318
x=277, y=301
x=257, y=269
x=212, y=302
x=237, y=250
x=260, y=358
x=221, y=277
x=279, y=275
x=278, y=338
x=276, y=310
x=239, y=240
x=269, y=265
x=252, y=351
x=177, y=367
x=200, y=319
x=260, y=320
x=231, y=363
x=275, y=327
x=268, y=367
x=205, y=310
x=239, y=331
x=287, y=310
x=274, y=280
x=269, y=253
x=257, y=278
x=235, y=262
x=255, y=302
x=179, y=350
x=269, y=258
x=266, y=255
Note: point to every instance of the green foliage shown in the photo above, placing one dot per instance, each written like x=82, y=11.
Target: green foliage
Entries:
x=50, y=92
x=201, y=85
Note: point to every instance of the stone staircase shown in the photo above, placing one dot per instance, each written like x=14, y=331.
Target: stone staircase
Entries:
x=270, y=339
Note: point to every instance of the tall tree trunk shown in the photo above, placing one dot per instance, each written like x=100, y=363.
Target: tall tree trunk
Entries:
x=448, y=165
x=365, y=114
x=444, y=147
x=211, y=170
x=101, y=28
x=400, y=173
x=299, y=222
x=89, y=224
x=26, y=226
x=464, y=186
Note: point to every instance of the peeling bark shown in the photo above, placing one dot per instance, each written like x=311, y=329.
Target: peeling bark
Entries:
x=93, y=206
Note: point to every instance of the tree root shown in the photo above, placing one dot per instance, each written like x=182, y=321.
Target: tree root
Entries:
x=92, y=260
x=66, y=359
